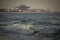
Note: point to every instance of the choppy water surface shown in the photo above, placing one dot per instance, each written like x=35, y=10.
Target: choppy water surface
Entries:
x=29, y=26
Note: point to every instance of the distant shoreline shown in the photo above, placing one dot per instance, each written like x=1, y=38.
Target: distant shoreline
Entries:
x=31, y=12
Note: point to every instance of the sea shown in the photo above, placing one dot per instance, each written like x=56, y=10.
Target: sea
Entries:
x=29, y=26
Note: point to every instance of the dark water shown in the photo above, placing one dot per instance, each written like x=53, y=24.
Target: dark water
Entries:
x=29, y=26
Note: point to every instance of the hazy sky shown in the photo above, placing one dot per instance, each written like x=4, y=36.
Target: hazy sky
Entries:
x=35, y=4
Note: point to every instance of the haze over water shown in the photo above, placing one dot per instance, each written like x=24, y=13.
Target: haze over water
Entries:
x=34, y=4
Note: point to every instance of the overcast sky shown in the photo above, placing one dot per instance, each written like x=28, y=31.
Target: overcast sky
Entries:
x=35, y=4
